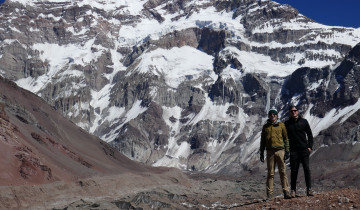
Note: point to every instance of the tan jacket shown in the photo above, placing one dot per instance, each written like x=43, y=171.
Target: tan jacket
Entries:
x=274, y=137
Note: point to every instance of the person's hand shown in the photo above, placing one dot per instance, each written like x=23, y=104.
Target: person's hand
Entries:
x=262, y=157
x=287, y=155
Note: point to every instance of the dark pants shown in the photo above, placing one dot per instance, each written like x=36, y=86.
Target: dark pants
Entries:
x=295, y=159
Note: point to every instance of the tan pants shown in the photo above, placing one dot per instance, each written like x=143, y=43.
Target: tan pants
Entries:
x=276, y=157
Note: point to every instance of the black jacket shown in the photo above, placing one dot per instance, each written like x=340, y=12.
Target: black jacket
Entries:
x=297, y=130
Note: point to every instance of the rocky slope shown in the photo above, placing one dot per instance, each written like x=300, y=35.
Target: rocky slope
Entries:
x=40, y=146
x=185, y=83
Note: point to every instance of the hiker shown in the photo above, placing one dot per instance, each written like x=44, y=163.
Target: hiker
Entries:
x=275, y=140
x=301, y=142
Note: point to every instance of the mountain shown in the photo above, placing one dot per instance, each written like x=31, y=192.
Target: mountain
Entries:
x=186, y=83
x=39, y=145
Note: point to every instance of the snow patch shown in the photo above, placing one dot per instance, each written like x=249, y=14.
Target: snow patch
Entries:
x=177, y=64
x=117, y=113
x=214, y=112
x=318, y=124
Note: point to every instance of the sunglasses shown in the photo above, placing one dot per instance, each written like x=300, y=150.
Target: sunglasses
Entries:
x=293, y=110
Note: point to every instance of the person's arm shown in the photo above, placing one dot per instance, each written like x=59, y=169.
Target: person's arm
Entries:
x=285, y=139
x=286, y=142
x=262, y=141
x=309, y=135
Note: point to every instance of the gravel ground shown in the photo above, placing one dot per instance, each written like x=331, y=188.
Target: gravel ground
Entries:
x=172, y=190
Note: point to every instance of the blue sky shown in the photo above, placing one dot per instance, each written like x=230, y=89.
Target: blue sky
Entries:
x=329, y=12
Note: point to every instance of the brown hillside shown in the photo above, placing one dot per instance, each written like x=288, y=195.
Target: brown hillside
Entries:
x=38, y=145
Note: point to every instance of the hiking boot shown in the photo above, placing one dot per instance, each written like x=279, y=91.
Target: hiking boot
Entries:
x=293, y=193
x=309, y=192
x=287, y=195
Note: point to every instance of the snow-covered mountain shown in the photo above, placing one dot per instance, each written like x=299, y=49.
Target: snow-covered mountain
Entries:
x=183, y=83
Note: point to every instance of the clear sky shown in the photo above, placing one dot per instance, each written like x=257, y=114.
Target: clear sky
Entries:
x=329, y=12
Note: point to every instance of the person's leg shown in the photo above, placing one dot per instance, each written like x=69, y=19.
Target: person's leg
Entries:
x=279, y=159
x=270, y=175
x=294, y=165
x=305, y=156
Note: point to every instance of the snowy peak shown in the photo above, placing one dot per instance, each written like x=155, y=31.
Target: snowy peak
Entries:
x=183, y=83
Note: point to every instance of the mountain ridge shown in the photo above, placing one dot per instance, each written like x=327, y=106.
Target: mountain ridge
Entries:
x=205, y=72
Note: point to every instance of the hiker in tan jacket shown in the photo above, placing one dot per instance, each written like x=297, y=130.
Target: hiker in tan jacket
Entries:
x=275, y=140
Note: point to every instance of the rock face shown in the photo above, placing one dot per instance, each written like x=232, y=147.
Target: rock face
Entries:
x=183, y=83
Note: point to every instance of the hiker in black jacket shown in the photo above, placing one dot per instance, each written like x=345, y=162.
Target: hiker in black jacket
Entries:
x=301, y=142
